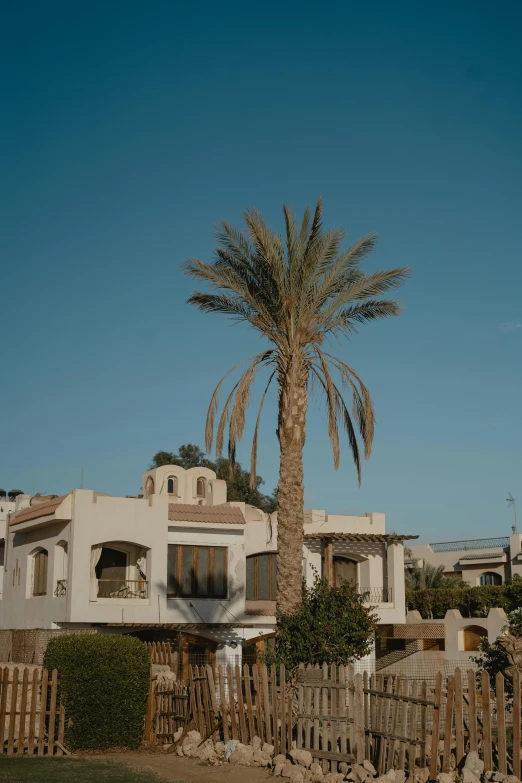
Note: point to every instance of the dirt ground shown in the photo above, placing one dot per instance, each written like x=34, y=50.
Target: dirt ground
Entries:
x=185, y=770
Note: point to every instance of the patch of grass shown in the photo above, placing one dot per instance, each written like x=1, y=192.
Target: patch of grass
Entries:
x=25, y=770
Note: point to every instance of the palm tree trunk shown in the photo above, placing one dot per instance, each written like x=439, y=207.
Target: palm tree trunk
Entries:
x=291, y=432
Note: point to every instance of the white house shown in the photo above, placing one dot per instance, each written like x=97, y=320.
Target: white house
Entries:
x=179, y=564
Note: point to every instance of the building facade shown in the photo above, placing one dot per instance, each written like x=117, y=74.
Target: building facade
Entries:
x=179, y=564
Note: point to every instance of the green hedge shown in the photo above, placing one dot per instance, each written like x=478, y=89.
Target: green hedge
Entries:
x=104, y=682
x=470, y=601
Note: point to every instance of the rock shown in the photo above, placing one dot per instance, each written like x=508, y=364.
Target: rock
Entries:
x=352, y=776
x=280, y=759
x=301, y=757
x=243, y=755
x=469, y=777
x=422, y=775
x=446, y=777
x=205, y=752
x=400, y=776
x=278, y=768
x=333, y=777
x=317, y=773
x=269, y=749
x=474, y=764
x=390, y=774
x=219, y=748
x=498, y=777
x=511, y=779
x=294, y=773
x=260, y=758
x=177, y=734
x=230, y=748
x=360, y=772
x=368, y=766
x=256, y=743
x=343, y=767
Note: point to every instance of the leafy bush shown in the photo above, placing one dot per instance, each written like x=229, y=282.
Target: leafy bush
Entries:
x=470, y=601
x=332, y=625
x=493, y=658
x=104, y=682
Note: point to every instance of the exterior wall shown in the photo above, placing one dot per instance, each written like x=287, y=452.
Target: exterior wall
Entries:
x=215, y=489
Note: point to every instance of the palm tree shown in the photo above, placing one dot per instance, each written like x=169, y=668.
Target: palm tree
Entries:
x=429, y=576
x=298, y=292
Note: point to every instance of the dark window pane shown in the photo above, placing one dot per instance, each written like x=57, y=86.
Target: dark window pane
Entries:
x=250, y=594
x=172, y=570
x=203, y=571
x=274, y=577
x=187, y=576
x=220, y=570
x=170, y=486
x=263, y=579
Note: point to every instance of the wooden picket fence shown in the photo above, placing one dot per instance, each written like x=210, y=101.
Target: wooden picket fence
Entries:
x=337, y=715
x=32, y=720
x=161, y=653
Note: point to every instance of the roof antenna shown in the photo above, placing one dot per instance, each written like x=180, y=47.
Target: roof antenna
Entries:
x=512, y=502
x=81, y=481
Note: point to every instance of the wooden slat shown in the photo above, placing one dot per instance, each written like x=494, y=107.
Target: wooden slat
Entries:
x=366, y=712
x=32, y=712
x=359, y=719
x=414, y=712
x=52, y=714
x=282, y=685
x=3, y=699
x=308, y=710
x=423, y=726
x=316, y=711
x=43, y=708
x=486, y=722
x=223, y=702
x=266, y=703
x=324, y=728
x=333, y=713
x=300, y=710
x=290, y=724
x=472, y=710
x=517, y=739
x=385, y=712
x=435, y=731
x=501, y=723
x=402, y=725
x=273, y=675
x=232, y=704
x=448, y=725
x=23, y=710
x=459, y=716
x=241, y=707
x=327, y=755
x=11, y=725
x=349, y=680
x=259, y=704
x=248, y=697
x=207, y=706
x=395, y=717
x=61, y=731
x=342, y=711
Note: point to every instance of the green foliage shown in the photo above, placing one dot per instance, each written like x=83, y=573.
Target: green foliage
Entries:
x=238, y=486
x=470, y=601
x=429, y=576
x=331, y=625
x=493, y=658
x=104, y=680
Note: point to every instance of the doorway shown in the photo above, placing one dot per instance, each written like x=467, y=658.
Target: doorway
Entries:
x=111, y=572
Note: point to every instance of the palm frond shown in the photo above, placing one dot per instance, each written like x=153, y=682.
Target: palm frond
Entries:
x=253, y=456
x=333, y=432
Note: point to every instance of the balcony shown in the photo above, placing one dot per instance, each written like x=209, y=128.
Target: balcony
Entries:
x=376, y=595
x=122, y=588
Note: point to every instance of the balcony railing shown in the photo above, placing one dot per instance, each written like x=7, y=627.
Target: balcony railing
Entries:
x=122, y=588
x=477, y=543
x=376, y=595
x=61, y=588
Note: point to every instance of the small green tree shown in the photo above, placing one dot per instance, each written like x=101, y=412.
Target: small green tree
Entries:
x=494, y=658
x=331, y=625
x=429, y=576
x=238, y=484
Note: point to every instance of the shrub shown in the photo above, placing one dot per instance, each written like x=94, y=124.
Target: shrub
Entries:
x=332, y=625
x=470, y=601
x=104, y=682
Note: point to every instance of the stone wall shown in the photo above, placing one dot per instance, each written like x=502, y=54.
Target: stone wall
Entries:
x=28, y=646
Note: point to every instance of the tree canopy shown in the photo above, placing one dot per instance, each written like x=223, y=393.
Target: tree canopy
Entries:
x=238, y=486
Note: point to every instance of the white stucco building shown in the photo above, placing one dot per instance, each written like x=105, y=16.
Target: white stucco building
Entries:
x=179, y=564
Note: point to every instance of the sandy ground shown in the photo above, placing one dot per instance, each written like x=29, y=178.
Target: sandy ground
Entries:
x=186, y=770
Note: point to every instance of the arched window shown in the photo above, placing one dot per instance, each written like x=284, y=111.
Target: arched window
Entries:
x=472, y=636
x=172, y=485
x=111, y=572
x=345, y=570
x=201, y=487
x=149, y=486
x=39, y=573
x=490, y=578
x=60, y=568
x=261, y=577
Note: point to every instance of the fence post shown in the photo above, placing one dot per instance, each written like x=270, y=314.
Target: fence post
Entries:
x=359, y=718
x=516, y=723
x=435, y=732
x=501, y=724
x=486, y=723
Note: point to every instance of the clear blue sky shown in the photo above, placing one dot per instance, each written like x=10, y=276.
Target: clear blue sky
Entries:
x=129, y=128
